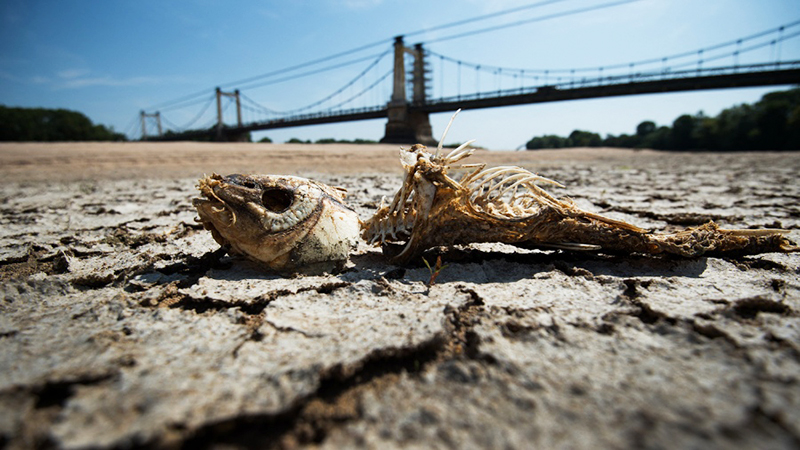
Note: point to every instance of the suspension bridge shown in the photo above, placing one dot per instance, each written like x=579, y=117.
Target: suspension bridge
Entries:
x=403, y=93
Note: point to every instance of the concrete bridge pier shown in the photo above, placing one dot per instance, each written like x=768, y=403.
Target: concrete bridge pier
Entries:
x=235, y=137
x=407, y=125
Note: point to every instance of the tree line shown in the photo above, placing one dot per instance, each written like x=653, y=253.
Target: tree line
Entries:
x=41, y=124
x=772, y=123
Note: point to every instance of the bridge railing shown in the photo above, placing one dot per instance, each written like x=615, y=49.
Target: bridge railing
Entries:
x=313, y=116
x=620, y=79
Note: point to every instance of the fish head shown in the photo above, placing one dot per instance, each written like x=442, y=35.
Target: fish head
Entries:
x=284, y=222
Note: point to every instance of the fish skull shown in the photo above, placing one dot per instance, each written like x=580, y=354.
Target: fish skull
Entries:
x=289, y=224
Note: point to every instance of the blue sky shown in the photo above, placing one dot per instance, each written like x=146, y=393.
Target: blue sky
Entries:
x=111, y=59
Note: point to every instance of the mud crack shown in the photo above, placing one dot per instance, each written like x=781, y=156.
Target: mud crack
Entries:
x=122, y=236
x=462, y=339
x=36, y=260
x=749, y=308
x=642, y=310
x=339, y=397
x=48, y=401
x=171, y=296
x=336, y=401
x=56, y=393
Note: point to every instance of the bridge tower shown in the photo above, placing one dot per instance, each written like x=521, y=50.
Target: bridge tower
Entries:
x=144, y=116
x=221, y=135
x=408, y=124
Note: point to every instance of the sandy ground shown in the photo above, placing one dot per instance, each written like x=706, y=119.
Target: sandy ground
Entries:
x=122, y=325
x=95, y=161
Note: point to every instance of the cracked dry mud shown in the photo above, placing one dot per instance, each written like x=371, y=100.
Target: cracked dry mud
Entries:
x=122, y=325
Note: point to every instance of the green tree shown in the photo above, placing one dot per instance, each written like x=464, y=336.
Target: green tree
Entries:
x=705, y=133
x=622, y=141
x=645, y=128
x=580, y=138
x=793, y=129
x=547, y=141
x=40, y=124
x=659, y=139
x=681, y=137
x=735, y=128
x=772, y=114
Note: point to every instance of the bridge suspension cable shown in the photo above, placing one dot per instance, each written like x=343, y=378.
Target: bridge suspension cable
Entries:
x=483, y=17
x=187, y=103
x=744, y=50
x=199, y=115
x=169, y=123
x=256, y=107
x=531, y=20
x=130, y=130
x=704, y=50
x=313, y=72
x=703, y=55
x=338, y=91
x=253, y=79
x=259, y=109
x=362, y=92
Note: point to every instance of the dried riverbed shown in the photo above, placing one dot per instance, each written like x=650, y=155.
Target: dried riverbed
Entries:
x=121, y=325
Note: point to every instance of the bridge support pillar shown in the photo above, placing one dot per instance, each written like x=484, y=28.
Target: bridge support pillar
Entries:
x=237, y=137
x=221, y=123
x=156, y=115
x=407, y=125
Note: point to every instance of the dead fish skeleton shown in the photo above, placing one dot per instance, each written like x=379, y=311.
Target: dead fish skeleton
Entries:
x=506, y=204
x=289, y=224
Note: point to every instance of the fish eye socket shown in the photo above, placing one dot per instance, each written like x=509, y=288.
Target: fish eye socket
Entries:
x=277, y=200
x=241, y=180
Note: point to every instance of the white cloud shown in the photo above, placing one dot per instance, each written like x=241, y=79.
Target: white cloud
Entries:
x=108, y=81
x=72, y=73
x=83, y=78
x=78, y=78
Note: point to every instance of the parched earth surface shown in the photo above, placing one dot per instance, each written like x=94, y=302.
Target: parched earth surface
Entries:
x=122, y=325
